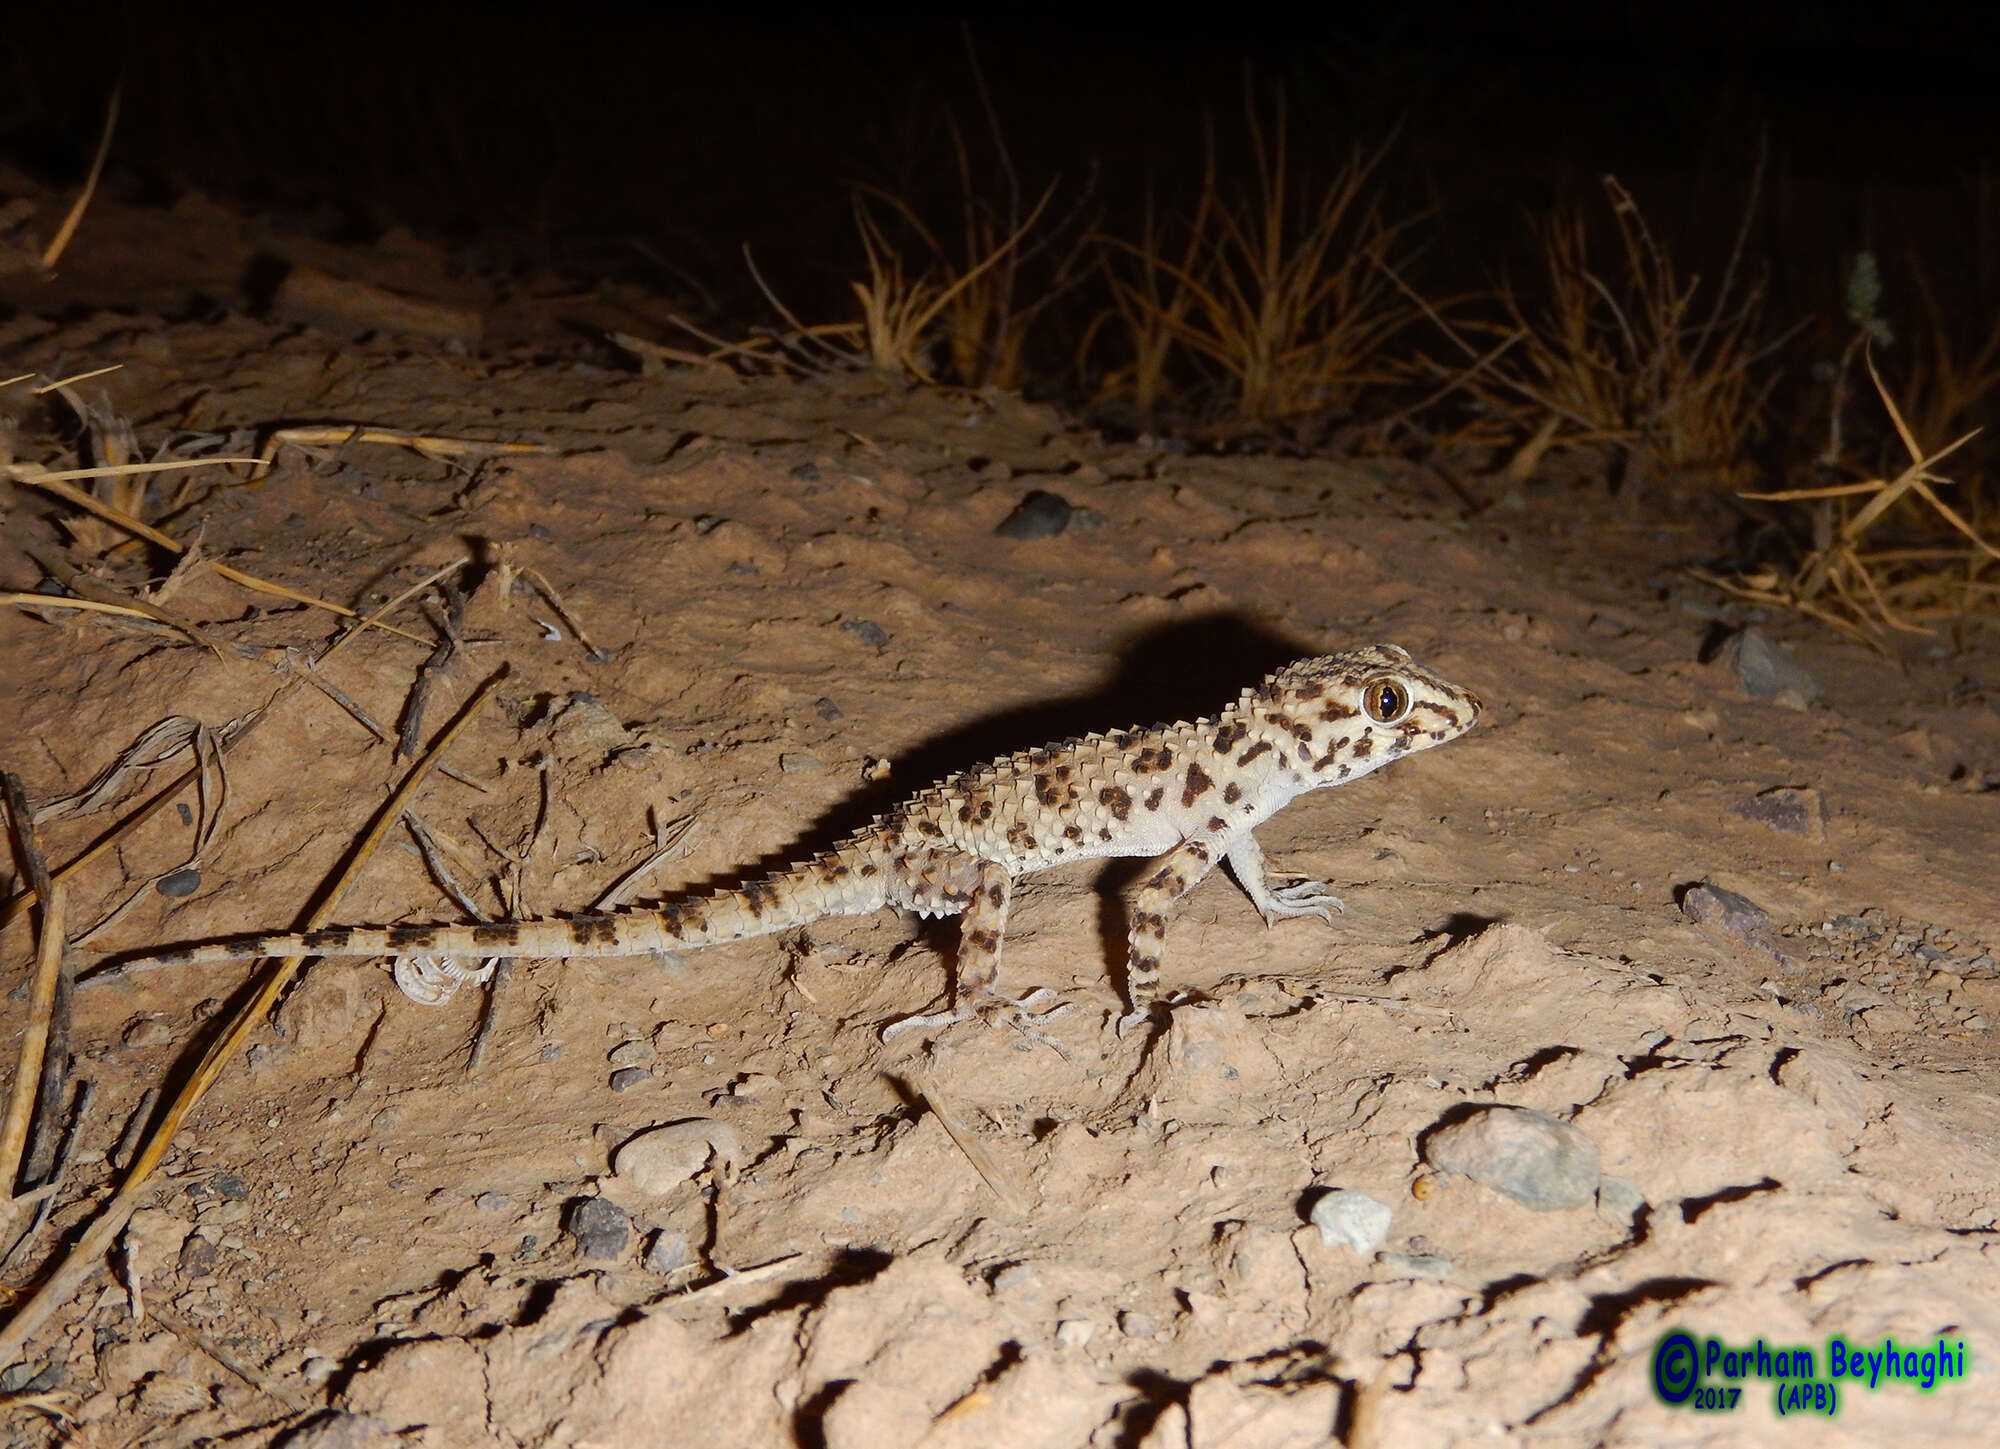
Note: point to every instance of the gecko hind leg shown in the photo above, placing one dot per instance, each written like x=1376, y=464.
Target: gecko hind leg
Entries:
x=982, y=890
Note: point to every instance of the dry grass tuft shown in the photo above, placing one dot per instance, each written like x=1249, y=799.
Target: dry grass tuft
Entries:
x=1282, y=296
x=1623, y=358
x=1858, y=588
x=899, y=309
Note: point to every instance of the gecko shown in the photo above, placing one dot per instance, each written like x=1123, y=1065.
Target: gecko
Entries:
x=1186, y=795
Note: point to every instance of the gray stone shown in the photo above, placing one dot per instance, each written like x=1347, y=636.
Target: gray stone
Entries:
x=1740, y=917
x=1767, y=672
x=1349, y=1219
x=1041, y=514
x=666, y=1250
x=1540, y=1161
x=599, y=1226
x=1787, y=809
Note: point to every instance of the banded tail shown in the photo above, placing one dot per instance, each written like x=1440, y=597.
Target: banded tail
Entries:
x=850, y=880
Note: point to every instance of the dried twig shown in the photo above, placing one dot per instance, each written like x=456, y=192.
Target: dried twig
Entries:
x=84, y=588
x=974, y=1150
x=503, y=968
x=432, y=669
x=187, y=1333
x=429, y=445
x=548, y=591
x=57, y=483
x=53, y=253
x=50, y=1153
x=49, y=997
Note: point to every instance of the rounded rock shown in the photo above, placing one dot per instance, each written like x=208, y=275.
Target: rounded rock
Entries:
x=1540, y=1161
x=1349, y=1219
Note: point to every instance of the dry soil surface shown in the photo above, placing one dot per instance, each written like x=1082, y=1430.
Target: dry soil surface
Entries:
x=771, y=606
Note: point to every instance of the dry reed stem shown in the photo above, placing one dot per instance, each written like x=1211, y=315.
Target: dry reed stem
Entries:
x=43, y=991
x=1153, y=308
x=60, y=601
x=74, y=378
x=87, y=1255
x=53, y=253
x=428, y=445
x=35, y=476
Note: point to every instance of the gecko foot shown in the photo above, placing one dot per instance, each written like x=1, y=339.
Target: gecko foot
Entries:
x=1024, y=1015
x=1304, y=897
x=928, y=1021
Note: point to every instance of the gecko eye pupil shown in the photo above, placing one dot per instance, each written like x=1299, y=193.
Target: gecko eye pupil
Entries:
x=1385, y=700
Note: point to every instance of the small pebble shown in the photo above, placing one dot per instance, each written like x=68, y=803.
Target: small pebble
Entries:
x=797, y=762
x=867, y=631
x=658, y=1160
x=145, y=1031
x=1349, y=1219
x=807, y=472
x=626, y=1078
x=198, y=1255
x=1767, y=672
x=630, y=1053
x=1041, y=514
x=1618, y=1201
x=1415, y=1265
x=1540, y=1161
x=1075, y=1332
x=666, y=1250
x=229, y=1185
x=826, y=709
x=492, y=1202
x=177, y=883
x=1787, y=809
x=599, y=1226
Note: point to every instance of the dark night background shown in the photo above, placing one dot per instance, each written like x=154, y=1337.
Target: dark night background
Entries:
x=654, y=143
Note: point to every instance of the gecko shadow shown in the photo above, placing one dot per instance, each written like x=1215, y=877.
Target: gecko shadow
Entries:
x=1176, y=672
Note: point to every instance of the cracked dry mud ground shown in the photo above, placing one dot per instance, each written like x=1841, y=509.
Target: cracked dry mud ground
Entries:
x=801, y=612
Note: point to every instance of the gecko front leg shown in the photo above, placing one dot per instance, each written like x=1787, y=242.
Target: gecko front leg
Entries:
x=1277, y=903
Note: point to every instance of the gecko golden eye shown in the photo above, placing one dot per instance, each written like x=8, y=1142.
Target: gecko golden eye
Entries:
x=1385, y=700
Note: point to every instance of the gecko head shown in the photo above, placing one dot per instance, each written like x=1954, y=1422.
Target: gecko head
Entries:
x=1339, y=716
